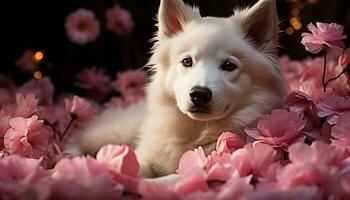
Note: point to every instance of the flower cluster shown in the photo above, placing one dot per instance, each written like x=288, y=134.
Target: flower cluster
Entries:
x=34, y=124
x=82, y=26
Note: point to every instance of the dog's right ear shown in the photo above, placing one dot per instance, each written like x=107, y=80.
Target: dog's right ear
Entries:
x=172, y=16
x=260, y=24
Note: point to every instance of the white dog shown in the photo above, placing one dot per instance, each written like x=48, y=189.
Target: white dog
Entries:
x=210, y=75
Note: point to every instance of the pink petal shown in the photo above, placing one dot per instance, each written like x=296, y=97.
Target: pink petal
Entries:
x=121, y=159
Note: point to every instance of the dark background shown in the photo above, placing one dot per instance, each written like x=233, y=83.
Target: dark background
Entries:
x=39, y=25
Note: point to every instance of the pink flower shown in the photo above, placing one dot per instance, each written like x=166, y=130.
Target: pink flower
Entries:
x=83, y=178
x=5, y=97
x=236, y=188
x=304, y=105
x=16, y=168
x=26, y=106
x=26, y=61
x=130, y=97
x=82, y=26
x=120, y=159
x=129, y=80
x=300, y=193
x=317, y=175
x=20, y=177
x=316, y=165
x=116, y=102
x=280, y=129
x=344, y=59
x=324, y=34
x=42, y=89
x=119, y=20
x=4, y=126
x=27, y=137
x=333, y=107
x=150, y=191
x=341, y=131
x=192, y=159
x=291, y=68
x=61, y=117
x=228, y=143
x=298, y=101
x=192, y=182
x=254, y=159
x=80, y=108
x=95, y=82
x=319, y=153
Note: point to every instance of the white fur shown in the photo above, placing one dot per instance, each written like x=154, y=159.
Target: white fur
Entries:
x=113, y=126
x=239, y=98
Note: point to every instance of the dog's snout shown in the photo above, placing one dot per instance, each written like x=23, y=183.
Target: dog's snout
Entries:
x=200, y=95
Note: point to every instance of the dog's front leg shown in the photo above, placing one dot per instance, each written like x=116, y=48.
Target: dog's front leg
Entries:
x=146, y=170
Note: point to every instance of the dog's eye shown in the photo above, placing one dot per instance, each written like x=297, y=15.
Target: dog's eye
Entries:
x=228, y=65
x=187, y=62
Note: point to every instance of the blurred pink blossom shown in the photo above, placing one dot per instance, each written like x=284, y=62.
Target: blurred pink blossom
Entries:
x=344, y=59
x=119, y=158
x=341, y=131
x=4, y=126
x=300, y=193
x=319, y=153
x=150, y=191
x=324, y=34
x=320, y=176
x=27, y=137
x=20, y=177
x=116, y=102
x=26, y=105
x=228, y=143
x=129, y=81
x=26, y=61
x=60, y=118
x=82, y=27
x=5, y=97
x=119, y=20
x=192, y=182
x=306, y=75
x=80, y=108
x=316, y=165
x=333, y=107
x=42, y=89
x=236, y=188
x=131, y=97
x=83, y=178
x=280, y=129
x=95, y=82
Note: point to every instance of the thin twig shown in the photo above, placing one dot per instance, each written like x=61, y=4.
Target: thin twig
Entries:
x=55, y=132
x=72, y=119
x=324, y=70
x=334, y=78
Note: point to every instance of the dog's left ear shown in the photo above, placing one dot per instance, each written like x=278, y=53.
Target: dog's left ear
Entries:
x=260, y=25
x=172, y=16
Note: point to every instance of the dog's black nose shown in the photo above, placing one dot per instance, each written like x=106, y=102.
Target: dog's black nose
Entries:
x=200, y=95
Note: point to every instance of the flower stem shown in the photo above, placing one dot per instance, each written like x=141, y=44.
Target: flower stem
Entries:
x=72, y=119
x=55, y=132
x=285, y=155
x=334, y=78
x=324, y=70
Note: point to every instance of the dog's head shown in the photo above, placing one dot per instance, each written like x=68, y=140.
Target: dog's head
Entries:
x=212, y=66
